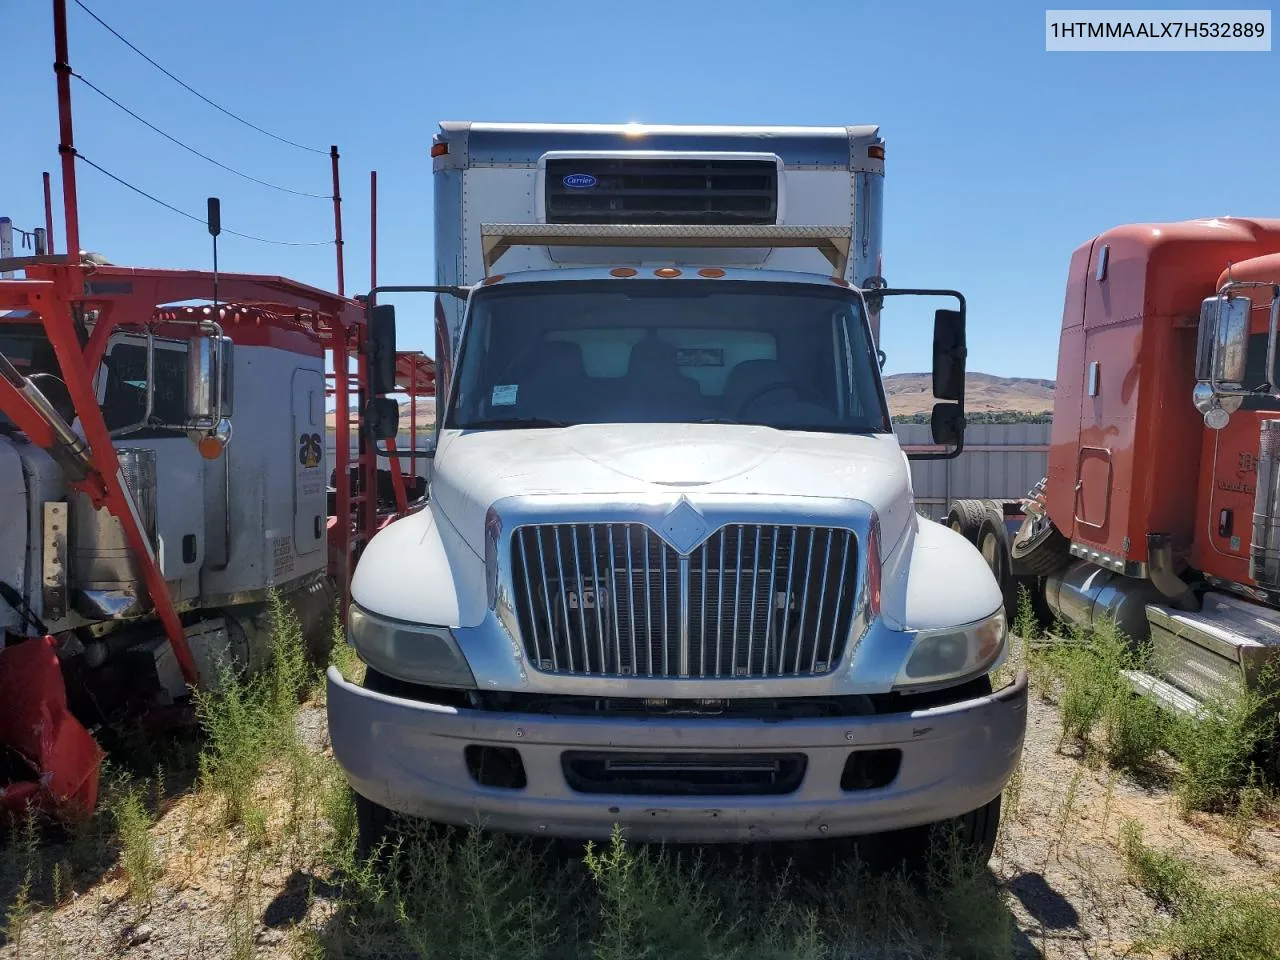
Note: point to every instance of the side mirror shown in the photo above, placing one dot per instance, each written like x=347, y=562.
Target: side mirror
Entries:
x=382, y=348
x=210, y=361
x=382, y=418
x=1221, y=355
x=1224, y=336
x=949, y=355
x=947, y=424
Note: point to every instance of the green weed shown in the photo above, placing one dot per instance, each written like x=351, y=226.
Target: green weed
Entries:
x=1208, y=922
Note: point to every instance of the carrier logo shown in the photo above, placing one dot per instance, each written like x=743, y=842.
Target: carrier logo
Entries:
x=579, y=181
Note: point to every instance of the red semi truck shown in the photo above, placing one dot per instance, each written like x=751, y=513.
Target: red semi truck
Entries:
x=1161, y=508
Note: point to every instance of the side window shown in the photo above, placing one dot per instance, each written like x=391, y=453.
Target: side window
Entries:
x=125, y=401
x=1256, y=373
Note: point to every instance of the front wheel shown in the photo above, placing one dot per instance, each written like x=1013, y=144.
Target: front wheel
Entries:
x=373, y=827
x=975, y=833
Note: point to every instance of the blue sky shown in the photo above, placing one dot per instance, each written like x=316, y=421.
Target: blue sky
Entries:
x=1001, y=157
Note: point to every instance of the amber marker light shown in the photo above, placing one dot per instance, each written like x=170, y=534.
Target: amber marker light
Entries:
x=666, y=272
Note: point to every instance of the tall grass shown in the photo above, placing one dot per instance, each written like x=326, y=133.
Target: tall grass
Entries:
x=472, y=894
x=1208, y=922
x=1094, y=696
x=1218, y=754
x=1220, y=751
x=250, y=720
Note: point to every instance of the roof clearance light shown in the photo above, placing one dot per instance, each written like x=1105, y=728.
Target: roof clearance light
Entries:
x=876, y=152
x=622, y=272
x=711, y=272
x=840, y=280
x=496, y=278
x=666, y=272
x=439, y=149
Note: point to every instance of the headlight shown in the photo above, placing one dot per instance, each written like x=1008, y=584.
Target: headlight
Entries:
x=961, y=652
x=409, y=651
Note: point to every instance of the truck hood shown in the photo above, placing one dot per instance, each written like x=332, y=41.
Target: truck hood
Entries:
x=474, y=470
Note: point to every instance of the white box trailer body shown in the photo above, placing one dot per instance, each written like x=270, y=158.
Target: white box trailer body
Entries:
x=534, y=173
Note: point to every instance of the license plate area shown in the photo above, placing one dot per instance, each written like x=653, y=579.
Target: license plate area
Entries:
x=683, y=774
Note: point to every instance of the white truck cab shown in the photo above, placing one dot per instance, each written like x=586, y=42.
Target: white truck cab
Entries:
x=670, y=575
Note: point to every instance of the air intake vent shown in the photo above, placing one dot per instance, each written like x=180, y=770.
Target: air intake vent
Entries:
x=667, y=190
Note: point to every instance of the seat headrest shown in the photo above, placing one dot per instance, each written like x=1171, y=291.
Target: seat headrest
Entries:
x=652, y=354
x=558, y=358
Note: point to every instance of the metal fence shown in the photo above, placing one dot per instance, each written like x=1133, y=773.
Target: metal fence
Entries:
x=1000, y=460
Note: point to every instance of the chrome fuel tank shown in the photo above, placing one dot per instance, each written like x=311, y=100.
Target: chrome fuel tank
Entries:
x=1085, y=594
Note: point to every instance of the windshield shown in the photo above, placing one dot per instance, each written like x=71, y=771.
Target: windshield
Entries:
x=789, y=355
x=31, y=354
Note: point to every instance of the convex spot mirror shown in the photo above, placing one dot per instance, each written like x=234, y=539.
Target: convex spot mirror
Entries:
x=382, y=418
x=902, y=318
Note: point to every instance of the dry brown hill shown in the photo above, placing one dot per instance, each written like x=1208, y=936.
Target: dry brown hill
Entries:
x=908, y=393
x=913, y=393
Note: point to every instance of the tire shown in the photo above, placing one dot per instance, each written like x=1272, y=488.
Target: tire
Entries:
x=993, y=545
x=975, y=833
x=373, y=828
x=979, y=828
x=1041, y=553
x=965, y=517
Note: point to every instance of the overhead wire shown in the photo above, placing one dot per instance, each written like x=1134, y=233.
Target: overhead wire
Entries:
x=191, y=216
x=217, y=106
x=190, y=149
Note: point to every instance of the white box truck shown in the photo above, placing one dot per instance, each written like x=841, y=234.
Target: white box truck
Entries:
x=670, y=576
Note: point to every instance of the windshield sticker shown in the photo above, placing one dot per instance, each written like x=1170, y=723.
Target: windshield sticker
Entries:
x=504, y=394
x=700, y=357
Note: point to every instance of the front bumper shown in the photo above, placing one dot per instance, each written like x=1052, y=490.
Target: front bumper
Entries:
x=408, y=756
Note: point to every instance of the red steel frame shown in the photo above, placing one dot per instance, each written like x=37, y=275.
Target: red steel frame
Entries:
x=79, y=305
x=63, y=294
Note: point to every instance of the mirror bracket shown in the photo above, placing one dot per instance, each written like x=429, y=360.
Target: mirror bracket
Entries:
x=947, y=422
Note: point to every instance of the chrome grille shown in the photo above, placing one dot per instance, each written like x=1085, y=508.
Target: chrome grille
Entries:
x=753, y=600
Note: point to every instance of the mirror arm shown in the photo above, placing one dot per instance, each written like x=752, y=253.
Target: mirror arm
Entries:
x=453, y=290
x=948, y=455
x=405, y=454
x=1268, y=386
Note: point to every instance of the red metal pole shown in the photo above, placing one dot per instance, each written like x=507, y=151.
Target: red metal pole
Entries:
x=66, y=138
x=337, y=218
x=342, y=457
x=48, y=214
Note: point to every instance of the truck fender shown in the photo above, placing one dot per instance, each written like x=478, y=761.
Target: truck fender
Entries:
x=935, y=578
x=442, y=585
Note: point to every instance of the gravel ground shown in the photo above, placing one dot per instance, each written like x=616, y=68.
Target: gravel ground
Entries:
x=1057, y=858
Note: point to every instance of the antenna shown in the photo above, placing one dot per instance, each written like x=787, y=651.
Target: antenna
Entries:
x=215, y=228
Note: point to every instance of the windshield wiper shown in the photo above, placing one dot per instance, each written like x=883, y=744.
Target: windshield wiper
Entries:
x=719, y=420
x=514, y=423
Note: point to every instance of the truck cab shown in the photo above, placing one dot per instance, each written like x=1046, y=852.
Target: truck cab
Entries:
x=670, y=575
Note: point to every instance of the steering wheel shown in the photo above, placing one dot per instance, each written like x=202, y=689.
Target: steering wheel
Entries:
x=804, y=392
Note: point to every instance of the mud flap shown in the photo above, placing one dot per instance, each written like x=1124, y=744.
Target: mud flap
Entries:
x=35, y=724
